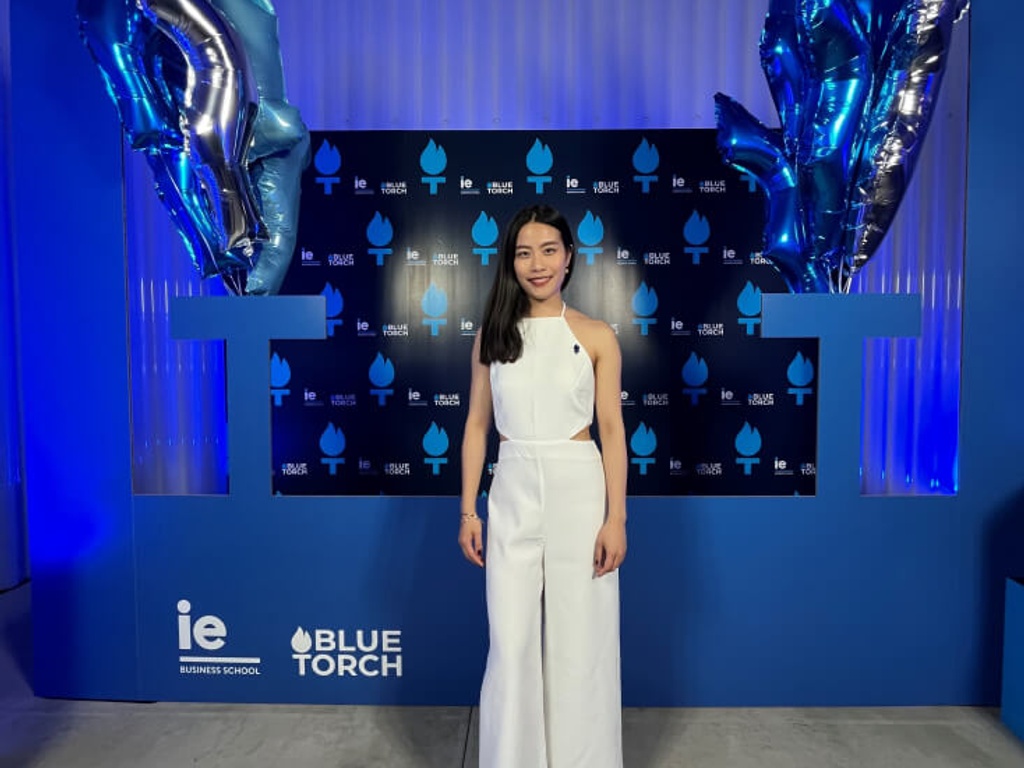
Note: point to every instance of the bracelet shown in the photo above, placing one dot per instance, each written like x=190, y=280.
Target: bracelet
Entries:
x=470, y=516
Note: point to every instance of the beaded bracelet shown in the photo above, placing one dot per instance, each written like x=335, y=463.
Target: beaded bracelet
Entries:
x=471, y=516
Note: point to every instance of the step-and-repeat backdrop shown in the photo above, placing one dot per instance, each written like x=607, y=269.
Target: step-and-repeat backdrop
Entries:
x=399, y=231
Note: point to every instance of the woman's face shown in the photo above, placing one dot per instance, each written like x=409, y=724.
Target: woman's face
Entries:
x=541, y=260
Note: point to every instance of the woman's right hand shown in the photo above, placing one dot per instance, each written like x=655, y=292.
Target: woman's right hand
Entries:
x=471, y=539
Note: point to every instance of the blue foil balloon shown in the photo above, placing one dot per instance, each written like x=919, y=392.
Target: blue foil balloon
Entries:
x=199, y=87
x=854, y=83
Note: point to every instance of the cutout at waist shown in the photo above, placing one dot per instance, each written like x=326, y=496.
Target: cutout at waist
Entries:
x=582, y=435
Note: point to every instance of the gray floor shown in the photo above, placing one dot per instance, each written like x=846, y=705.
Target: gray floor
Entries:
x=42, y=733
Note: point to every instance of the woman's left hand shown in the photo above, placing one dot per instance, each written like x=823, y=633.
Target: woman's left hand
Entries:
x=610, y=548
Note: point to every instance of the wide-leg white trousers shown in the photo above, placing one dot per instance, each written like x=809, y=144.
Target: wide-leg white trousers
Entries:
x=551, y=693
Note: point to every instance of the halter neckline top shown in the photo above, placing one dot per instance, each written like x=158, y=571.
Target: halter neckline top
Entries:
x=548, y=393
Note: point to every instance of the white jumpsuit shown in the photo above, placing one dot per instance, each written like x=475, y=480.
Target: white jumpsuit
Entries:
x=551, y=693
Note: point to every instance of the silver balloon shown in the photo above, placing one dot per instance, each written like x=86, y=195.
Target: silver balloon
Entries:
x=913, y=64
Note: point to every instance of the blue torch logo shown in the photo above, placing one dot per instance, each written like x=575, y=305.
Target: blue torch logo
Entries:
x=645, y=161
x=379, y=232
x=800, y=374
x=332, y=445
x=335, y=303
x=645, y=304
x=435, y=444
x=280, y=375
x=749, y=305
x=695, y=375
x=433, y=161
x=539, y=161
x=328, y=163
x=485, y=234
x=435, y=306
x=643, y=442
x=591, y=233
x=382, y=374
x=748, y=443
x=696, y=233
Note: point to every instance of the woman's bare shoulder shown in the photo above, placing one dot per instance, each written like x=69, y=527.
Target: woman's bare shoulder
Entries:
x=594, y=333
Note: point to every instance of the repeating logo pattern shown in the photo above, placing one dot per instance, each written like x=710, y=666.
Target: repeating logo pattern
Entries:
x=404, y=261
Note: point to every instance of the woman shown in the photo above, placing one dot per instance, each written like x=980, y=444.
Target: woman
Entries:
x=556, y=511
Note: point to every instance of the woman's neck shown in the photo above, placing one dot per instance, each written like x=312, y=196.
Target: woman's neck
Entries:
x=551, y=307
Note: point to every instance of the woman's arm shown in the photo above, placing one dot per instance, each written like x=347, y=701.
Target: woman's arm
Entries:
x=474, y=449
x=610, y=549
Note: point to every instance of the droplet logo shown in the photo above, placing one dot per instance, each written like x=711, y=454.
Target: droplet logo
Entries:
x=749, y=305
x=591, y=233
x=695, y=375
x=539, y=161
x=643, y=443
x=748, y=443
x=335, y=303
x=435, y=445
x=328, y=162
x=800, y=374
x=485, y=234
x=696, y=233
x=435, y=306
x=332, y=444
x=433, y=161
x=645, y=161
x=380, y=233
x=382, y=374
x=280, y=375
x=302, y=641
x=645, y=304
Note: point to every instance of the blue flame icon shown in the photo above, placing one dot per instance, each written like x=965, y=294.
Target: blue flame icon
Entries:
x=643, y=442
x=435, y=306
x=591, y=232
x=332, y=444
x=327, y=162
x=382, y=374
x=335, y=303
x=485, y=234
x=645, y=303
x=646, y=158
x=328, y=159
x=485, y=230
x=645, y=161
x=749, y=305
x=332, y=441
x=539, y=161
x=695, y=375
x=379, y=231
x=435, y=444
x=645, y=300
x=800, y=374
x=433, y=159
x=591, y=229
x=697, y=229
x=748, y=443
x=280, y=375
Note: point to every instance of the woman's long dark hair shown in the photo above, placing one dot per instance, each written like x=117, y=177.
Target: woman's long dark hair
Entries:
x=507, y=303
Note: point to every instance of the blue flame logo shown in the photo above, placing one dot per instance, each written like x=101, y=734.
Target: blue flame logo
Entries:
x=280, y=372
x=485, y=230
x=328, y=159
x=379, y=231
x=539, y=159
x=695, y=371
x=335, y=302
x=433, y=159
x=748, y=441
x=332, y=441
x=382, y=371
x=697, y=229
x=643, y=442
x=645, y=301
x=646, y=158
x=800, y=371
x=435, y=441
x=434, y=302
x=591, y=229
x=749, y=301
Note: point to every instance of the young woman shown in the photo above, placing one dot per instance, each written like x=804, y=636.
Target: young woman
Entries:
x=556, y=510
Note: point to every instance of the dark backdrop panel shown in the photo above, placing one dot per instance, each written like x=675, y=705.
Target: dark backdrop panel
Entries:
x=400, y=230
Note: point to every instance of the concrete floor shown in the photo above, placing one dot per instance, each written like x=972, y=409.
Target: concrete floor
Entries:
x=46, y=733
